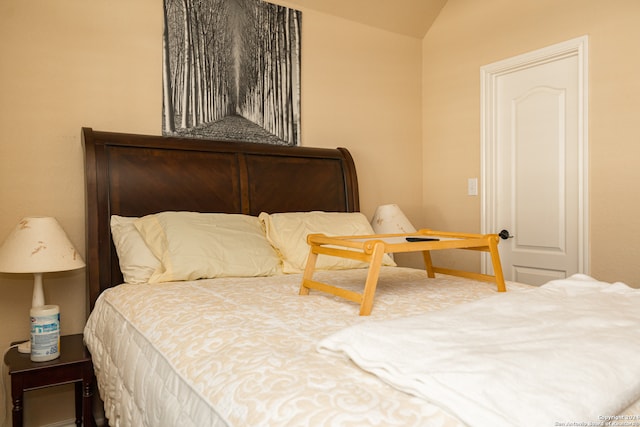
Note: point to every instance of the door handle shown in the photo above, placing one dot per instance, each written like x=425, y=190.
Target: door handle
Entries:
x=504, y=235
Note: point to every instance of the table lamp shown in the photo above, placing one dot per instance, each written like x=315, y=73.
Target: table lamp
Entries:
x=389, y=219
x=38, y=245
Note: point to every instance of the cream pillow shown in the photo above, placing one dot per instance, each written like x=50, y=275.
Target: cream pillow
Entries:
x=288, y=232
x=137, y=263
x=194, y=245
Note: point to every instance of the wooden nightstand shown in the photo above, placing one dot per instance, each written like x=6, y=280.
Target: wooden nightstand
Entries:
x=73, y=366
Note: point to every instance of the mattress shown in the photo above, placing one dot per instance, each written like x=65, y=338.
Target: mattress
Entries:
x=242, y=351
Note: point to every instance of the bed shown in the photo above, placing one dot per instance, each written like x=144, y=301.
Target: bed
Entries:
x=236, y=350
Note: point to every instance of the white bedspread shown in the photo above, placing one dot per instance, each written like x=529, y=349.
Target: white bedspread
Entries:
x=241, y=352
x=566, y=353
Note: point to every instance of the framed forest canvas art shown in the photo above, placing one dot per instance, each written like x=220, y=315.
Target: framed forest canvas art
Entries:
x=231, y=70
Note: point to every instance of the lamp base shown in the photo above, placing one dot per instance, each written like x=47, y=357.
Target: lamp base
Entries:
x=25, y=347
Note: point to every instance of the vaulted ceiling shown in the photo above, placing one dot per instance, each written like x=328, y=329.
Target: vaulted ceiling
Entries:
x=409, y=17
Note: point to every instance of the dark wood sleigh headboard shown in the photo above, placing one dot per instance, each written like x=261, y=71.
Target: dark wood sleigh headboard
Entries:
x=136, y=175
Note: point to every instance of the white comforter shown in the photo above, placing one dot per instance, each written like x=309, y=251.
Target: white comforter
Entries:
x=562, y=354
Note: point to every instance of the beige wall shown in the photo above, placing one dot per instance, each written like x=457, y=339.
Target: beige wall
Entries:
x=65, y=64
x=469, y=34
x=72, y=63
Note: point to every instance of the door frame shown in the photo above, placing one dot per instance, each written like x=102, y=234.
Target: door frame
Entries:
x=489, y=74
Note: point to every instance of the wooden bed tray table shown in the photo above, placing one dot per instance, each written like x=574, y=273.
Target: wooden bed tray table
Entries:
x=372, y=248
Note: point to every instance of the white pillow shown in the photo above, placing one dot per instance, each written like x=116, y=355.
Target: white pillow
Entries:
x=137, y=263
x=194, y=245
x=288, y=232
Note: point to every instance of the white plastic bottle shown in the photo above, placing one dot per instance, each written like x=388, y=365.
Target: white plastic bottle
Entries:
x=45, y=333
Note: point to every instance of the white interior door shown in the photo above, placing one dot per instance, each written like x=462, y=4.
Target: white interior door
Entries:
x=534, y=169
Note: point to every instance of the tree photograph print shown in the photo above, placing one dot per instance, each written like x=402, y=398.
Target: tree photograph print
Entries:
x=231, y=71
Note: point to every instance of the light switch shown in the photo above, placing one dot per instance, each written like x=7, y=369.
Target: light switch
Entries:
x=472, y=187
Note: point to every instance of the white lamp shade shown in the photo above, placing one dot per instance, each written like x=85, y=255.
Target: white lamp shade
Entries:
x=389, y=219
x=38, y=245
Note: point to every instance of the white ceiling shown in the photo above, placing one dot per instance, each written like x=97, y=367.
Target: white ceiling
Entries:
x=409, y=17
